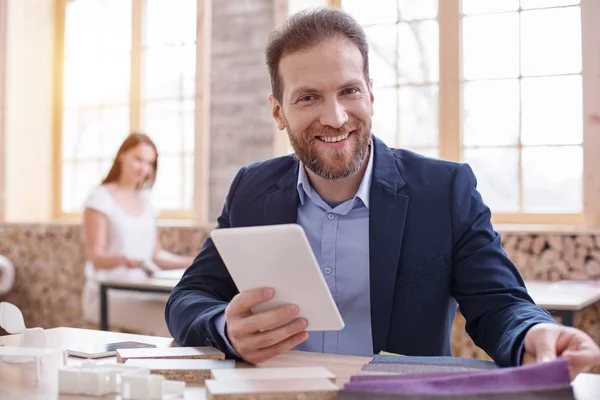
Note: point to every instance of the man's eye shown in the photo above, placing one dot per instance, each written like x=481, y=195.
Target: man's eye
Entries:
x=350, y=91
x=307, y=98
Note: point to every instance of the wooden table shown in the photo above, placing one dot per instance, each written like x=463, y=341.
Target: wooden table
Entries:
x=163, y=282
x=12, y=386
x=564, y=298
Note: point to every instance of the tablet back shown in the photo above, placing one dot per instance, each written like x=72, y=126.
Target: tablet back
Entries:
x=280, y=257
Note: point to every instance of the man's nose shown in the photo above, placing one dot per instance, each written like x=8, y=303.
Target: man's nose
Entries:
x=333, y=115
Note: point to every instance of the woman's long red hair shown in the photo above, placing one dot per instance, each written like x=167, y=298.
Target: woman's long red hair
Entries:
x=132, y=141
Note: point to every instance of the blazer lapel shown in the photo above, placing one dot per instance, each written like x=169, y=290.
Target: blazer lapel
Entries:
x=281, y=205
x=387, y=217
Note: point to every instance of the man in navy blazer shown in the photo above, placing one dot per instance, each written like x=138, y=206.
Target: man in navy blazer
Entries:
x=402, y=238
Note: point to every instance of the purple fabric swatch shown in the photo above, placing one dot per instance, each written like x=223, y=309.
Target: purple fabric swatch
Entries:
x=552, y=375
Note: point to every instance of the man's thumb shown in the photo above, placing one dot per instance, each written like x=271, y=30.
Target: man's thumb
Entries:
x=545, y=350
x=540, y=342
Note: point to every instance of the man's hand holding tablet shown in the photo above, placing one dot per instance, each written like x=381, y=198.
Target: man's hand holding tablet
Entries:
x=282, y=291
x=260, y=336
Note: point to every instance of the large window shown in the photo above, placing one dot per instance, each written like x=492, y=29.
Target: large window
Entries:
x=522, y=94
x=168, y=94
x=128, y=65
x=404, y=65
x=506, y=75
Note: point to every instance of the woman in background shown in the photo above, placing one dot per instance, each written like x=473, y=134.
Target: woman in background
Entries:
x=119, y=233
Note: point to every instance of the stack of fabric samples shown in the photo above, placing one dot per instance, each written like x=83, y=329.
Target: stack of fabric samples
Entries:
x=389, y=377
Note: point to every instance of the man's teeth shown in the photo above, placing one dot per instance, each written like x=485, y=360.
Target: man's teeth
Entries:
x=334, y=139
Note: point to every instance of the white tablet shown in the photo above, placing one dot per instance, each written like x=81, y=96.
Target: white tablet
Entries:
x=279, y=257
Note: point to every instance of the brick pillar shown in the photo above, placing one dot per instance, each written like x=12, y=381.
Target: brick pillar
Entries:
x=241, y=126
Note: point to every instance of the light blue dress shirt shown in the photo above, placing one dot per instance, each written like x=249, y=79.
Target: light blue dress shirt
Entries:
x=339, y=237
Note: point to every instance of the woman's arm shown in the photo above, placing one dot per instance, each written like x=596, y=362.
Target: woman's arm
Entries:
x=95, y=228
x=166, y=260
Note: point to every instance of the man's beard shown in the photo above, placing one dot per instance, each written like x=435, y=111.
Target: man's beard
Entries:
x=341, y=163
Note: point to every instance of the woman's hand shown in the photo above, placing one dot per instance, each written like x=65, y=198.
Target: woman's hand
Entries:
x=131, y=262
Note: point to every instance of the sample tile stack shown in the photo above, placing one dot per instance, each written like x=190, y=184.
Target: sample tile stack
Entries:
x=193, y=371
x=397, y=377
x=203, y=353
x=188, y=364
x=198, y=364
x=307, y=383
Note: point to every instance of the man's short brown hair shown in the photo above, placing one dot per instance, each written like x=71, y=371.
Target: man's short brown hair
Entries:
x=307, y=28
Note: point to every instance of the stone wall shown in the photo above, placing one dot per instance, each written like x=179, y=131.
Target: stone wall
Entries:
x=241, y=126
x=49, y=262
x=555, y=256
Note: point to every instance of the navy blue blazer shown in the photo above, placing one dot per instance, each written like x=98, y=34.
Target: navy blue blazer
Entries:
x=431, y=244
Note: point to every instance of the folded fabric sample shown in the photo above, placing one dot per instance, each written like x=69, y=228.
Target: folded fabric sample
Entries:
x=385, y=363
x=377, y=376
x=414, y=368
x=557, y=393
x=547, y=376
x=436, y=360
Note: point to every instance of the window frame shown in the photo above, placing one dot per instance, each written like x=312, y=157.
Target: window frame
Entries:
x=450, y=111
x=3, y=21
x=199, y=206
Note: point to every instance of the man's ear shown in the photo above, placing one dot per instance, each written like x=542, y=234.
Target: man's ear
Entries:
x=371, y=96
x=277, y=112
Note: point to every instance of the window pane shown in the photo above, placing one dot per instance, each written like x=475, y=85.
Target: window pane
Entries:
x=552, y=110
x=418, y=116
x=167, y=190
x=105, y=166
x=81, y=84
x=499, y=187
x=418, y=52
x=81, y=133
x=491, y=113
x=488, y=6
x=383, y=56
x=551, y=41
x=366, y=14
x=386, y=114
x=95, y=93
x=78, y=179
x=297, y=5
x=552, y=179
x=188, y=55
x=115, y=79
x=189, y=126
x=167, y=122
x=94, y=133
x=115, y=124
x=86, y=25
x=188, y=182
x=96, y=80
x=491, y=46
x=546, y=3
x=418, y=9
x=170, y=72
x=170, y=22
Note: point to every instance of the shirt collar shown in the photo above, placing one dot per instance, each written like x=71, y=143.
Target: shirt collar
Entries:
x=305, y=189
